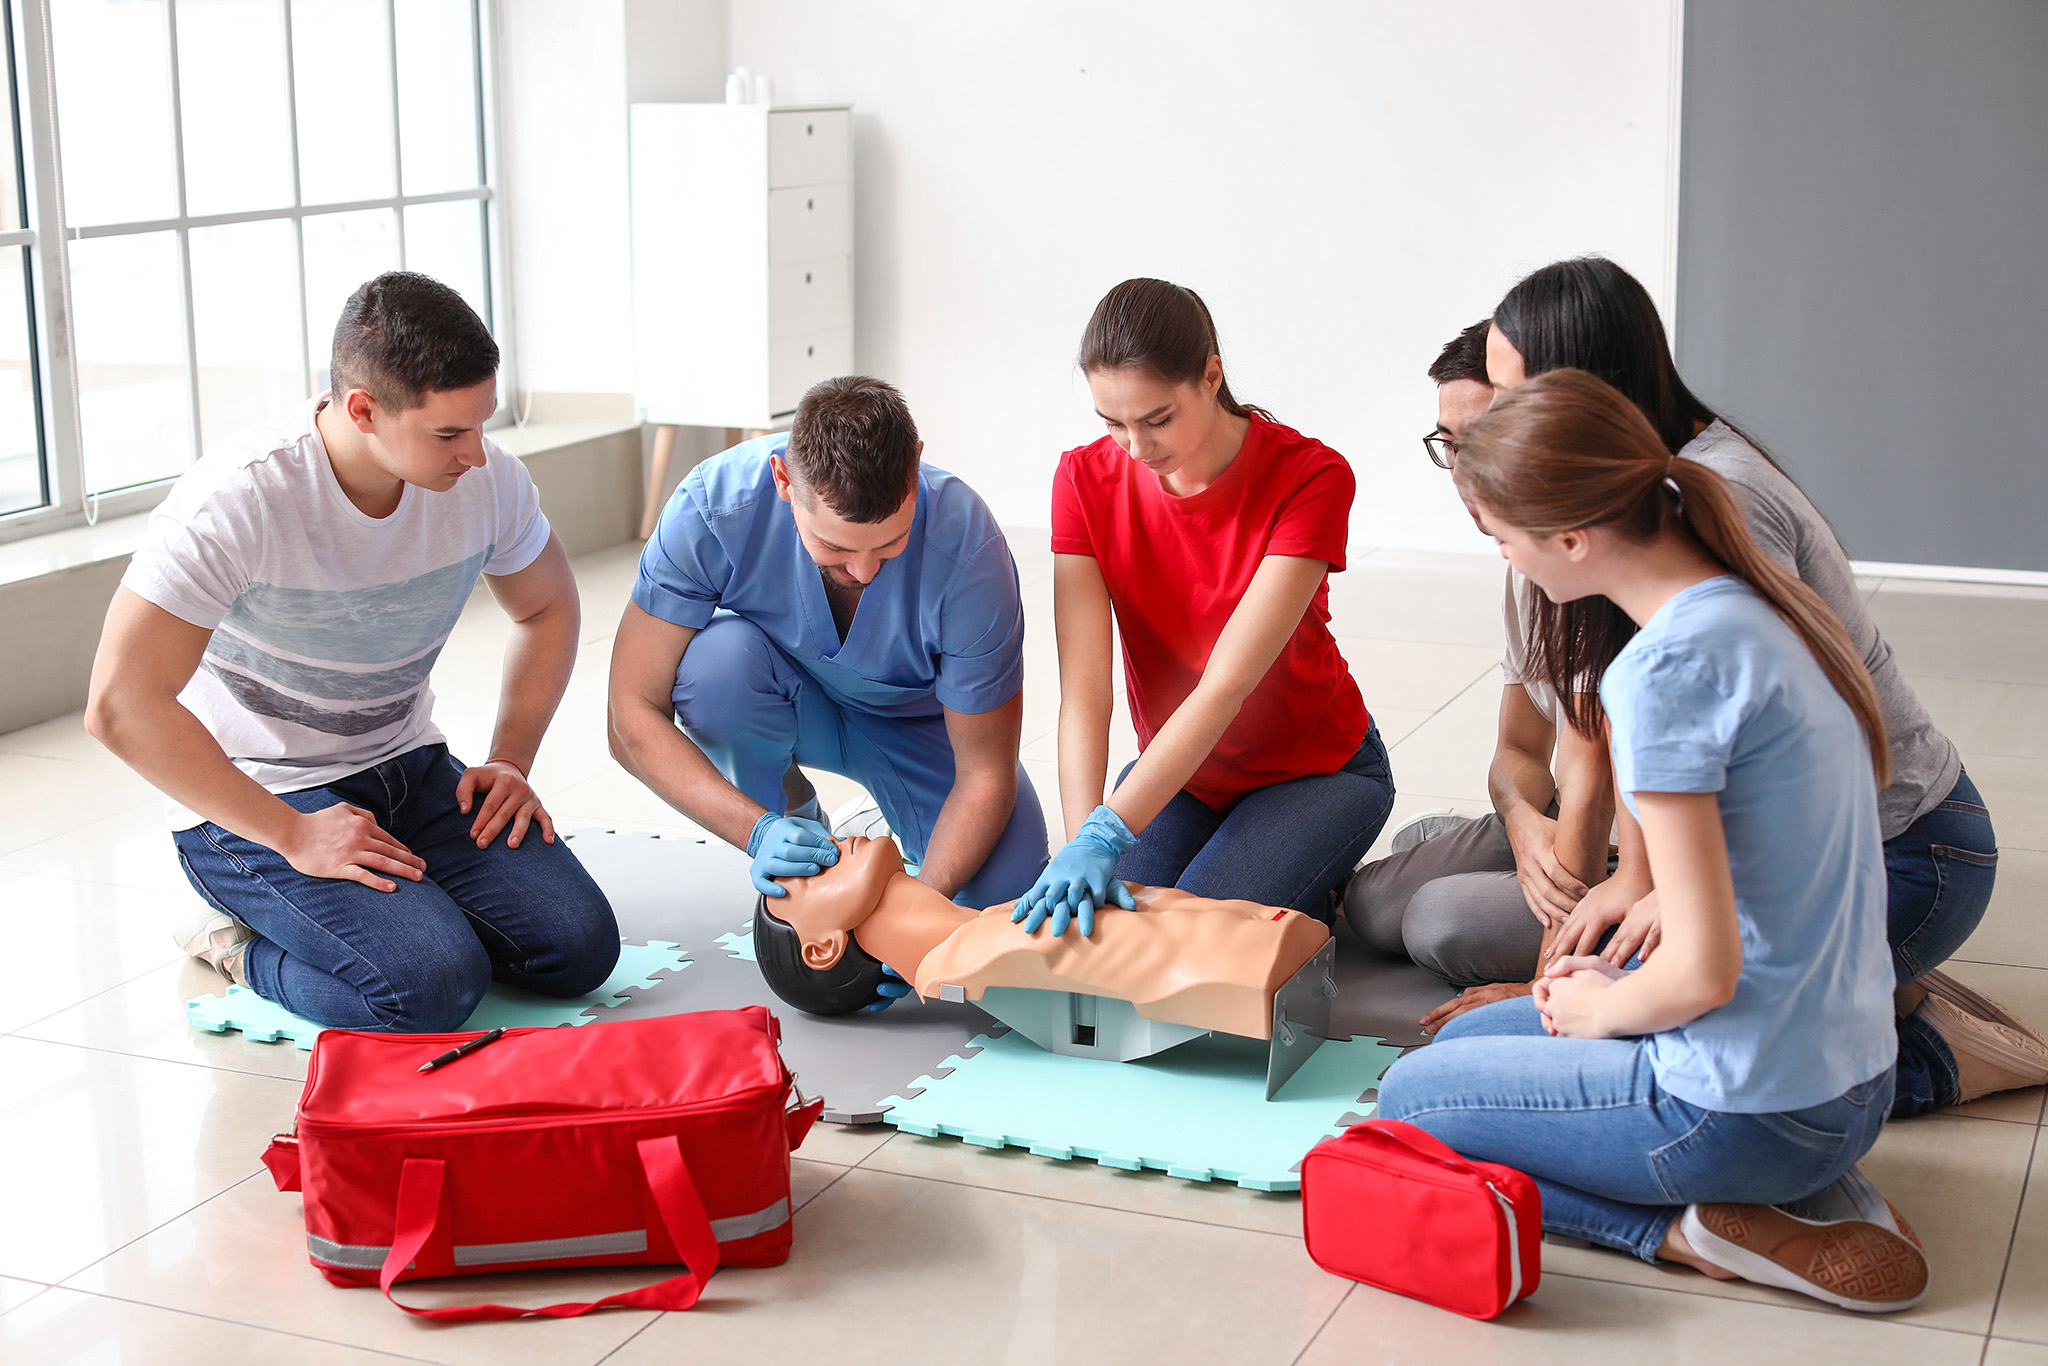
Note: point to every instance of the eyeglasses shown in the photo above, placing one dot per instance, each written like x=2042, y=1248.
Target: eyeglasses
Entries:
x=1443, y=452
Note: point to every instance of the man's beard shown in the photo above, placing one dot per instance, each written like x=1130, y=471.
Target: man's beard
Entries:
x=834, y=579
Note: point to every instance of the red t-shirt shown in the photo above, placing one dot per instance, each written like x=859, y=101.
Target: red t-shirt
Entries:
x=1176, y=569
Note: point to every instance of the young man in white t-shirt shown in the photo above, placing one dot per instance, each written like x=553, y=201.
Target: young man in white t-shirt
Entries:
x=265, y=665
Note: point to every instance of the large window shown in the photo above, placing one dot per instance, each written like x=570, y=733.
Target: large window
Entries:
x=194, y=187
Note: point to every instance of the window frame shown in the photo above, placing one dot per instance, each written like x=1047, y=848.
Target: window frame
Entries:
x=50, y=324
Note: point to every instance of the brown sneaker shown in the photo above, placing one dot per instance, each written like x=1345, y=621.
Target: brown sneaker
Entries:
x=1851, y=1264
x=1851, y=1196
x=1994, y=1050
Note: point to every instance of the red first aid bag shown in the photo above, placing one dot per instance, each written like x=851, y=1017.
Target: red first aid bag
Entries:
x=662, y=1140
x=1389, y=1205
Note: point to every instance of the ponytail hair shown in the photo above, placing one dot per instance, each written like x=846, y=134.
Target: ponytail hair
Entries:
x=1566, y=451
x=1162, y=328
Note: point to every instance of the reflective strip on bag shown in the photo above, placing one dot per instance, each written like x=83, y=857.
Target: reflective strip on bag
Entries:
x=358, y=1256
x=362, y=1257
x=747, y=1225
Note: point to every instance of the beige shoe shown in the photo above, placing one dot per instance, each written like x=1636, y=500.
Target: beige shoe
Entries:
x=1939, y=983
x=218, y=940
x=1851, y=1264
x=1995, y=1050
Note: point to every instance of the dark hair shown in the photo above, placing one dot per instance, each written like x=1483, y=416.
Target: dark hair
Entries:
x=1165, y=328
x=1589, y=314
x=405, y=335
x=853, y=443
x=1567, y=451
x=848, y=985
x=1463, y=356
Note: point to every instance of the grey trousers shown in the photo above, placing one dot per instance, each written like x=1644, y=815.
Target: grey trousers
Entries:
x=1452, y=905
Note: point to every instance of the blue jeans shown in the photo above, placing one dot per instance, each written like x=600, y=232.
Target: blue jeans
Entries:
x=1939, y=871
x=416, y=960
x=1290, y=844
x=752, y=709
x=1616, y=1156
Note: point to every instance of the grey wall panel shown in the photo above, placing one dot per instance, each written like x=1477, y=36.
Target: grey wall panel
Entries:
x=1863, y=260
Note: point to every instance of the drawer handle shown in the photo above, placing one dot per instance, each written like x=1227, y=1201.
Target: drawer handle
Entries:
x=810, y=351
x=810, y=203
x=807, y=130
x=807, y=277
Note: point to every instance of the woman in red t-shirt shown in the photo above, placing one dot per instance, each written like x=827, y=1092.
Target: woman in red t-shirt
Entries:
x=1208, y=530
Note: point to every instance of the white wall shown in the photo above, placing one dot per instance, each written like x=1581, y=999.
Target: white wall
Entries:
x=562, y=166
x=566, y=74
x=1346, y=183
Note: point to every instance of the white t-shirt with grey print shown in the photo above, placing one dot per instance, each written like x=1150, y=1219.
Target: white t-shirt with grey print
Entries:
x=326, y=622
x=1925, y=763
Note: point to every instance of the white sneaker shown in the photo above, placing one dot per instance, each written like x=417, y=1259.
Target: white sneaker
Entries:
x=1851, y=1197
x=216, y=939
x=1421, y=829
x=860, y=816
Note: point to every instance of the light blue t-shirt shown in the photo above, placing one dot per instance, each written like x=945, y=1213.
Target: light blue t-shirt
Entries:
x=941, y=625
x=1717, y=694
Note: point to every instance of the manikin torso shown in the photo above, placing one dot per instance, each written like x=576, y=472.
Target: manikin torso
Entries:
x=1178, y=958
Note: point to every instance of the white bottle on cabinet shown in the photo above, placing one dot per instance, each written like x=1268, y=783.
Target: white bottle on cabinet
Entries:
x=742, y=259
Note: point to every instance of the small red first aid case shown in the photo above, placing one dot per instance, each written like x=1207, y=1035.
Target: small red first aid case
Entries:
x=1394, y=1207
x=660, y=1140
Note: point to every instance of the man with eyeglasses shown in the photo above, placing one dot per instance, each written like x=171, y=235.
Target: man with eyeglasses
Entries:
x=1473, y=899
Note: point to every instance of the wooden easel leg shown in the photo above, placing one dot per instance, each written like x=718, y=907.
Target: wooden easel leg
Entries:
x=657, y=478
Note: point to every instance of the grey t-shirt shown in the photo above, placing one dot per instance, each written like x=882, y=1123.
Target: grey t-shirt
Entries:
x=1925, y=764
x=1518, y=615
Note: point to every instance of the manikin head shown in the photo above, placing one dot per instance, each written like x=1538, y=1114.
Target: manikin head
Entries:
x=804, y=941
x=415, y=371
x=849, y=476
x=1155, y=373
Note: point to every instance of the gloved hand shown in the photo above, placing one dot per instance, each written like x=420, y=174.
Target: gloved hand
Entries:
x=891, y=989
x=1080, y=878
x=788, y=846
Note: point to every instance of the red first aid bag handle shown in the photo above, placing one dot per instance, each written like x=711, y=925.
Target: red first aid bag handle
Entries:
x=675, y=1195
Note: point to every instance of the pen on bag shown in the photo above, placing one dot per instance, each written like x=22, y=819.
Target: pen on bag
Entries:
x=462, y=1050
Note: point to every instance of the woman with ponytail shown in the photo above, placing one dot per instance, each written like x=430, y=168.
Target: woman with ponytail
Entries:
x=1206, y=532
x=1940, y=853
x=1709, y=1106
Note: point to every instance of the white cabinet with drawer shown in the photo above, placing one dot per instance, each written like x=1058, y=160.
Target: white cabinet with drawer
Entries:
x=742, y=259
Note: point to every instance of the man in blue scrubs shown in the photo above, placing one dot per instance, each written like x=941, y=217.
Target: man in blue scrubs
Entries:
x=825, y=599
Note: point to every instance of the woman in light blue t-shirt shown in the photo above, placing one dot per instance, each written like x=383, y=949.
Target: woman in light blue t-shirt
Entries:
x=1708, y=1107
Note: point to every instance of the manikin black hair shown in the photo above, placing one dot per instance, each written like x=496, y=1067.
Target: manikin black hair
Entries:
x=848, y=985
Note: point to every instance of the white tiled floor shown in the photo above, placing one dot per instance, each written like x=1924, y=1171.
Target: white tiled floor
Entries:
x=136, y=1225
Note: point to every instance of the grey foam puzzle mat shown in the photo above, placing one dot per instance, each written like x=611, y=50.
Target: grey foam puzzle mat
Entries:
x=696, y=890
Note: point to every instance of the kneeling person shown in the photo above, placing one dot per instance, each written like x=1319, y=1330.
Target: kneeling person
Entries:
x=824, y=599
x=286, y=608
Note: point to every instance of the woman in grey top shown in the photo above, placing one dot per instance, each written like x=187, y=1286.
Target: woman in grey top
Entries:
x=1940, y=852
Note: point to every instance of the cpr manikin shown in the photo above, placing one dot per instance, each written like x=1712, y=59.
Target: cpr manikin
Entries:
x=1179, y=960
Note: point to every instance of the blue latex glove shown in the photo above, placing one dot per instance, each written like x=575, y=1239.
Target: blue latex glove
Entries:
x=891, y=989
x=1080, y=878
x=788, y=846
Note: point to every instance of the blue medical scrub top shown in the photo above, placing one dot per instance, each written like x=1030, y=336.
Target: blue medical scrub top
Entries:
x=942, y=624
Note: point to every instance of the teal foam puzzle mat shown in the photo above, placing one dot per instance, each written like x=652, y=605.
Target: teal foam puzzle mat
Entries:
x=1198, y=1112
x=739, y=945
x=502, y=1006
